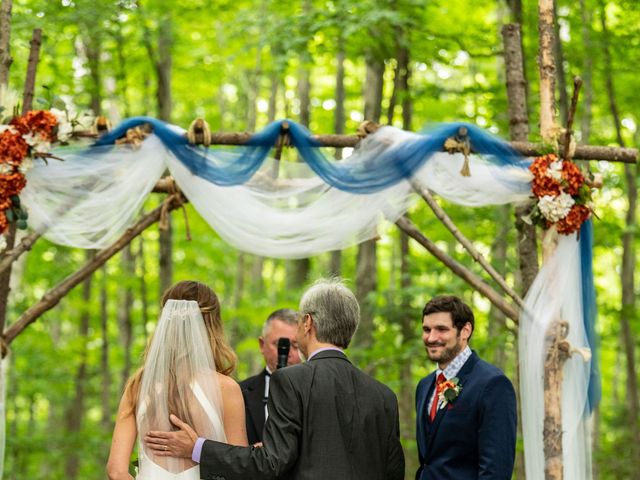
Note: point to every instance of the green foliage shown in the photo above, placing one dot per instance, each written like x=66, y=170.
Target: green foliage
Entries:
x=227, y=54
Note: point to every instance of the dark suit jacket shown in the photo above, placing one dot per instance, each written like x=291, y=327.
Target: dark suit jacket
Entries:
x=253, y=393
x=474, y=436
x=327, y=420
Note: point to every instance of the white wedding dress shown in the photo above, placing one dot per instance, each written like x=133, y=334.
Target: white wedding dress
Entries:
x=177, y=469
x=179, y=377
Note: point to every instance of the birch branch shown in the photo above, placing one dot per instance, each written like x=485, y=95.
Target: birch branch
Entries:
x=465, y=242
x=53, y=296
x=457, y=268
x=10, y=256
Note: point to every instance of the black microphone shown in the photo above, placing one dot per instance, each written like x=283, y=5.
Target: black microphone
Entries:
x=284, y=345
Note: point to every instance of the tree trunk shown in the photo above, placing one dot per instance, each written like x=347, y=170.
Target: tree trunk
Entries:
x=547, y=66
x=587, y=73
x=125, y=304
x=75, y=409
x=92, y=50
x=121, y=70
x=299, y=269
x=339, y=120
x=519, y=131
x=366, y=266
x=163, y=65
x=497, y=319
x=563, y=99
x=104, y=355
x=628, y=310
x=5, y=37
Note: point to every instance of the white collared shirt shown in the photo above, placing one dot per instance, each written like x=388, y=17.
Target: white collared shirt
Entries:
x=267, y=379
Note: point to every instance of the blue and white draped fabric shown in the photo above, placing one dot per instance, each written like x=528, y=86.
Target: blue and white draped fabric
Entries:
x=321, y=204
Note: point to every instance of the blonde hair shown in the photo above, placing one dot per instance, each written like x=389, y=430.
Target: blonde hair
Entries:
x=223, y=356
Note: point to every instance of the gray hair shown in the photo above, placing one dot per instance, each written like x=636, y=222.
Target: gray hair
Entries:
x=286, y=315
x=334, y=309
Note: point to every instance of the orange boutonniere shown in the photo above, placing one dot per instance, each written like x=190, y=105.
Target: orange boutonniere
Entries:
x=448, y=391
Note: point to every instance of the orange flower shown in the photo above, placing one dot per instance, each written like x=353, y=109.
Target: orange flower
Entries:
x=543, y=184
x=12, y=184
x=41, y=121
x=574, y=219
x=4, y=223
x=13, y=147
x=573, y=177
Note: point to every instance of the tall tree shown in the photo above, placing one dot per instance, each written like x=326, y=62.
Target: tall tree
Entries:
x=76, y=407
x=5, y=36
x=627, y=272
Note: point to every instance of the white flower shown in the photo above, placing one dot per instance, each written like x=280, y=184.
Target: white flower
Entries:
x=64, y=131
x=5, y=169
x=7, y=127
x=3, y=243
x=555, y=170
x=26, y=165
x=555, y=208
x=61, y=115
x=37, y=142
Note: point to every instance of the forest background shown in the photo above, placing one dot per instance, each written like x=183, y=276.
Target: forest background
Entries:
x=328, y=65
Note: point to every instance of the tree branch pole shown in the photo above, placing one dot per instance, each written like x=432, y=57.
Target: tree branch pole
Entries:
x=5, y=36
x=555, y=337
x=9, y=256
x=526, y=149
x=32, y=67
x=29, y=86
x=464, y=241
x=53, y=296
x=460, y=270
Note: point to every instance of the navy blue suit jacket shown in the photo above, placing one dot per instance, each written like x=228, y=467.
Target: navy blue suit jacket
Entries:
x=473, y=437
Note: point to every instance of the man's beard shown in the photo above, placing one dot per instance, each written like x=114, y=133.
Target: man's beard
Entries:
x=447, y=354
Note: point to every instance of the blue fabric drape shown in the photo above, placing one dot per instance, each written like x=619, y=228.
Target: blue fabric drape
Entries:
x=378, y=173
x=589, y=310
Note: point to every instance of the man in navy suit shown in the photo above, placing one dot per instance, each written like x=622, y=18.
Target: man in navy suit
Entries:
x=466, y=409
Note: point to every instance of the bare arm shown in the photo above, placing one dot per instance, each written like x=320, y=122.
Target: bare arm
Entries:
x=124, y=437
x=234, y=414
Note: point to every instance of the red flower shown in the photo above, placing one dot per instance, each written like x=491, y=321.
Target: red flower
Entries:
x=12, y=184
x=574, y=219
x=13, y=148
x=573, y=177
x=4, y=223
x=41, y=121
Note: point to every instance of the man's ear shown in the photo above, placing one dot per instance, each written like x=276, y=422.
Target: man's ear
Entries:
x=466, y=331
x=309, y=325
x=261, y=342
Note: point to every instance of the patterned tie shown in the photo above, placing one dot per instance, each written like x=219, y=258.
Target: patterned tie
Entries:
x=434, y=405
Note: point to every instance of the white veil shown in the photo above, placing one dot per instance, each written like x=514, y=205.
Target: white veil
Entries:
x=179, y=377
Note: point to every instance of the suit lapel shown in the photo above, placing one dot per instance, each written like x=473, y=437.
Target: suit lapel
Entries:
x=255, y=402
x=463, y=374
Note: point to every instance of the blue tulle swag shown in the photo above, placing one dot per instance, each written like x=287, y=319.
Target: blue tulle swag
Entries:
x=378, y=173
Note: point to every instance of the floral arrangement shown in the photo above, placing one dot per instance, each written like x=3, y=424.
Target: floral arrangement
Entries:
x=448, y=391
x=24, y=138
x=563, y=194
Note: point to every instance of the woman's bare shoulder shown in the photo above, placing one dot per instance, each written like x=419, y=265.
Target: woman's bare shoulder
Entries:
x=227, y=383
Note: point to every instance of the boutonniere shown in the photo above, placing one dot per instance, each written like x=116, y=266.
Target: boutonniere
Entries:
x=449, y=391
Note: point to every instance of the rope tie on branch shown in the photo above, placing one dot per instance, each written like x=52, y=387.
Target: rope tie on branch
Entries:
x=174, y=195
x=460, y=143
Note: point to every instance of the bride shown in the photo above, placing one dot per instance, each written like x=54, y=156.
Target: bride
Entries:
x=185, y=372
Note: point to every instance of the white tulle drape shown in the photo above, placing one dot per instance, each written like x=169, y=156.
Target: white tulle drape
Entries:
x=179, y=377
x=555, y=295
x=90, y=199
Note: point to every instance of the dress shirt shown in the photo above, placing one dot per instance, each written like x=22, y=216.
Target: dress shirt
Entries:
x=451, y=371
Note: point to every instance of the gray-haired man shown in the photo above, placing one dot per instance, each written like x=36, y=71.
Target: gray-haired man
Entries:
x=327, y=419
